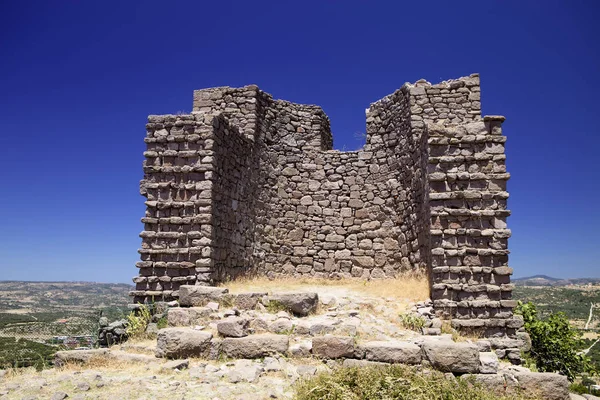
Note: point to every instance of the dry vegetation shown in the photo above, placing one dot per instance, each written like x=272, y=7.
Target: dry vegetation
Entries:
x=409, y=287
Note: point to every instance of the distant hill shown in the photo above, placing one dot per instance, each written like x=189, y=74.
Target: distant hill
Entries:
x=544, y=280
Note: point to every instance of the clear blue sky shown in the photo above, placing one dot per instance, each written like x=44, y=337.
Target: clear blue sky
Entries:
x=78, y=78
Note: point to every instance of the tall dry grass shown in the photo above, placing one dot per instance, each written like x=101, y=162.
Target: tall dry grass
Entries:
x=408, y=286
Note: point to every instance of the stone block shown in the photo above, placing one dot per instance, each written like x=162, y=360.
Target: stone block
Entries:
x=255, y=346
x=330, y=347
x=391, y=352
x=182, y=343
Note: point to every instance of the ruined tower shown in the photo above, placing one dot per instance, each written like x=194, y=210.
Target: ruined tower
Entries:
x=246, y=184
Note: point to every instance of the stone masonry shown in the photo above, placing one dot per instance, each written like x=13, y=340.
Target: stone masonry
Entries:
x=249, y=185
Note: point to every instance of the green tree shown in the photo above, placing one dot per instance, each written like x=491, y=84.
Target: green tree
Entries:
x=554, y=343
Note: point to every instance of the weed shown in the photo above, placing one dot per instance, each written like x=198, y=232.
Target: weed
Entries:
x=275, y=306
x=137, y=322
x=412, y=322
x=392, y=382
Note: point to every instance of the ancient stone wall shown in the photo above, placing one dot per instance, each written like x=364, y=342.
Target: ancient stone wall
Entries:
x=250, y=185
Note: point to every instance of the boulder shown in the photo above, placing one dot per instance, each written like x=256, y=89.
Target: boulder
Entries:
x=547, y=386
x=392, y=352
x=333, y=346
x=182, y=343
x=254, y=346
x=192, y=296
x=299, y=303
x=449, y=356
x=233, y=327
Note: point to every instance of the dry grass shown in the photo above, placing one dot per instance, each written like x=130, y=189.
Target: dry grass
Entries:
x=407, y=287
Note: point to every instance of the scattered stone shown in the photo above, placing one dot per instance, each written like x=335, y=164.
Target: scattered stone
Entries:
x=175, y=365
x=302, y=349
x=83, y=386
x=281, y=325
x=306, y=371
x=59, y=396
x=248, y=373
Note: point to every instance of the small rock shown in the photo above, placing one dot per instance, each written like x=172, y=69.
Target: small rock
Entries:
x=306, y=370
x=83, y=386
x=175, y=365
x=489, y=362
x=59, y=396
x=271, y=364
x=302, y=349
x=249, y=373
x=233, y=327
x=281, y=325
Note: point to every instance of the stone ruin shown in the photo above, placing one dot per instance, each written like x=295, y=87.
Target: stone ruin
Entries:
x=249, y=185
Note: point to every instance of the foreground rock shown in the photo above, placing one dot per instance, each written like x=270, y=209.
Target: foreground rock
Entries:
x=182, y=343
x=448, y=356
x=548, y=386
x=300, y=303
x=255, y=346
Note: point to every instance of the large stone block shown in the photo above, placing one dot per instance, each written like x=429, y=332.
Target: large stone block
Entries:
x=255, y=346
x=182, y=343
x=333, y=346
x=299, y=303
x=447, y=356
x=391, y=352
x=192, y=296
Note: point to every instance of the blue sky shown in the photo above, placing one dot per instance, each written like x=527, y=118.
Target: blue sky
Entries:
x=78, y=79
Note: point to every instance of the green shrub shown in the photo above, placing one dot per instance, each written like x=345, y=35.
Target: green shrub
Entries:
x=412, y=322
x=137, y=322
x=554, y=343
x=394, y=382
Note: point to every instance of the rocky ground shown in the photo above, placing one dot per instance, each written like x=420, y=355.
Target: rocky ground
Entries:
x=257, y=342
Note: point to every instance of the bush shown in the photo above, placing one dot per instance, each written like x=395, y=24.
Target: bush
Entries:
x=137, y=322
x=412, y=322
x=392, y=382
x=554, y=343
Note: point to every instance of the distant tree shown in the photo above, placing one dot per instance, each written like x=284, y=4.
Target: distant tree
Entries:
x=554, y=343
